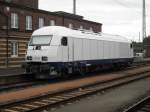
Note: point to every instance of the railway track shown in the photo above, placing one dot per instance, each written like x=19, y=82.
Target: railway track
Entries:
x=22, y=85
x=25, y=84
x=49, y=100
x=141, y=106
x=8, y=82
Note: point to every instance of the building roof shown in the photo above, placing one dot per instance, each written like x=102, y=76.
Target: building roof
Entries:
x=66, y=14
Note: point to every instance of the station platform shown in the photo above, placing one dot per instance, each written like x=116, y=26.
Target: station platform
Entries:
x=146, y=59
x=11, y=71
x=140, y=60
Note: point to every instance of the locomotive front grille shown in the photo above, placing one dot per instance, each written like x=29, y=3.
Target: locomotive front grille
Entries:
x=36, y=59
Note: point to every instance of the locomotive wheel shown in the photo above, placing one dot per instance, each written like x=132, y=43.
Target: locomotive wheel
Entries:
x=64, y=73
x=82, y=71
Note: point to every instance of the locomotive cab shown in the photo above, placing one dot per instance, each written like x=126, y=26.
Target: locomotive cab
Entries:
x=40, y=49
x=44, y=49
x=45, y=54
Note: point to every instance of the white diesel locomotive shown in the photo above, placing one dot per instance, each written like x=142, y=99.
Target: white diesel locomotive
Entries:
x=59, y=51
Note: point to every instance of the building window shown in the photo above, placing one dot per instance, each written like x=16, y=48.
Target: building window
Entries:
x=14, y=48
x=91, y=29
x=8, y=1
x=71, y=26
x=28, y=23
x=14, y=20
x=52, y=22
x=81, y=27
x=41, y=22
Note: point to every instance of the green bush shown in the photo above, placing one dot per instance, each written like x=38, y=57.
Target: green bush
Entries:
x=147, y=40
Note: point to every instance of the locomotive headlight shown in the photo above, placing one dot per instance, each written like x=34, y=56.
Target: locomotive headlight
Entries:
x=29, y=57
x=44, y=58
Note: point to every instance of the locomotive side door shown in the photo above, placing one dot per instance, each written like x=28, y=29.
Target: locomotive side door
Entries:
x=70, y=49
x=64, y=44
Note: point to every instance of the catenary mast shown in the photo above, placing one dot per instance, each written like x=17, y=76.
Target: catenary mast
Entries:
x=143, y=20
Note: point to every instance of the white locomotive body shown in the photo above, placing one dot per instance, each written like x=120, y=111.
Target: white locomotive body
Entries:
x=56, y=50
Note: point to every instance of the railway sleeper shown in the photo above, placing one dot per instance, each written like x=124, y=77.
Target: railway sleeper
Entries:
x=20, y=108
x=9, y=110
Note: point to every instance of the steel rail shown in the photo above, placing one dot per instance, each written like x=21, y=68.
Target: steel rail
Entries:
x=141, y=106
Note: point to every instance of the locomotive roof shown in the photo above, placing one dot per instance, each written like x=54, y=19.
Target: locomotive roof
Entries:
x=63, y=31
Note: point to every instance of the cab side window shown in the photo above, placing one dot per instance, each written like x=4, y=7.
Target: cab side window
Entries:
x=64, y=41
x=131, y=45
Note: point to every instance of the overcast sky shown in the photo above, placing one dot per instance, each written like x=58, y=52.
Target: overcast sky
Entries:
x=122, y=17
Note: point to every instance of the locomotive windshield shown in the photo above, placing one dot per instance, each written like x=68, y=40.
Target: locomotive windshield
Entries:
x=40, y=40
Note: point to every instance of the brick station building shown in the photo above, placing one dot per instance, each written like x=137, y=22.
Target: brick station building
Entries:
x=19, y=18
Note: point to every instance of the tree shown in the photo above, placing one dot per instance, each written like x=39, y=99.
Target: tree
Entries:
x=147, y=40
